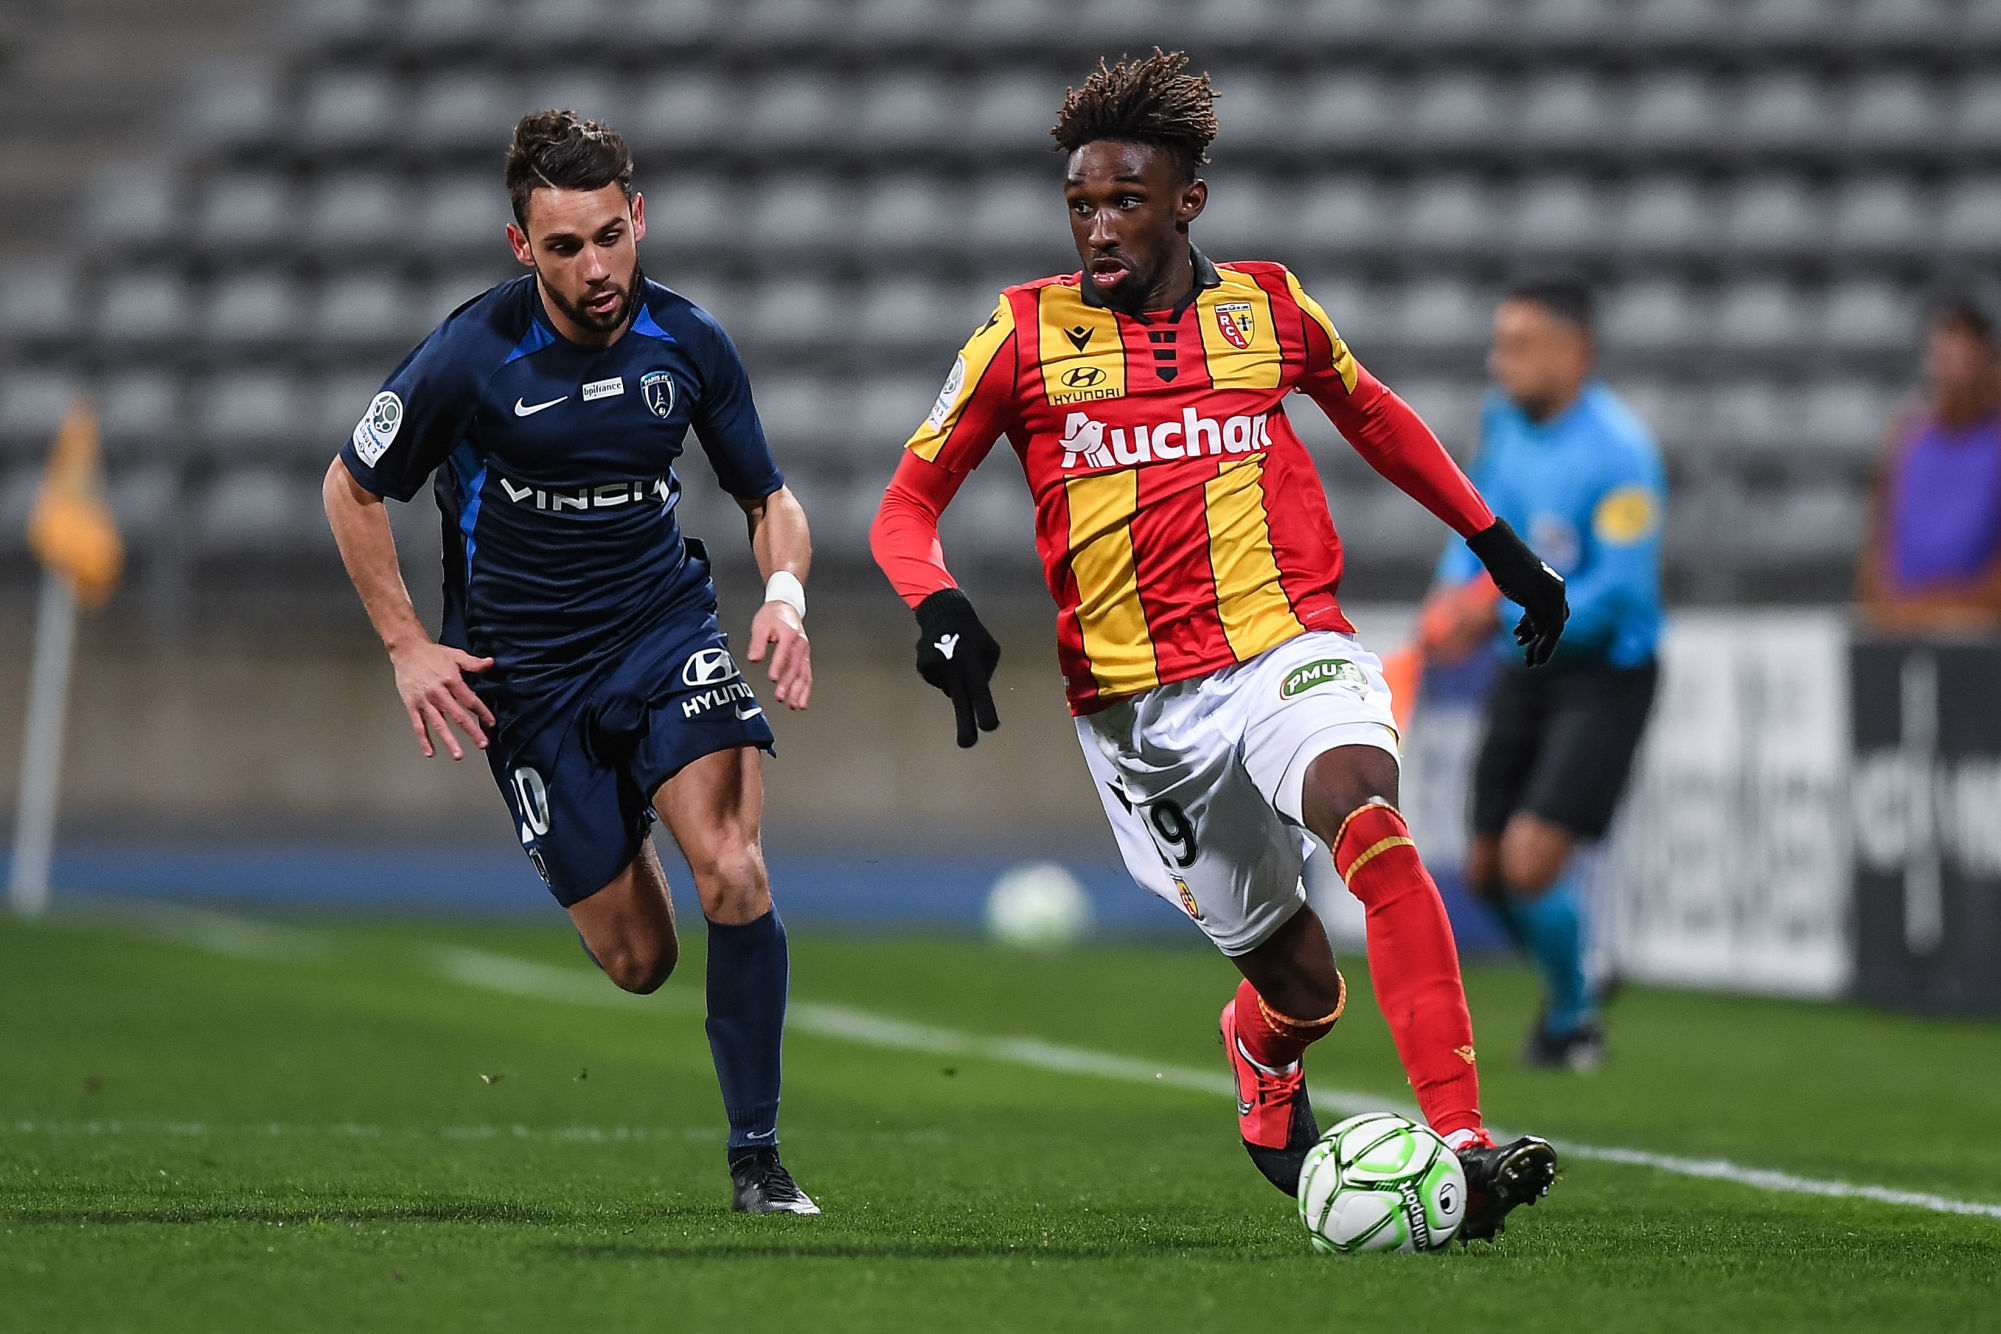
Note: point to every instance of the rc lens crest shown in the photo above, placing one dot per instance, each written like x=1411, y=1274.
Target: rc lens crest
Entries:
x=1235, y=322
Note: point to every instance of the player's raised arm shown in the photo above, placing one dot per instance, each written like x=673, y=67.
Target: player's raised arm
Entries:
x=1396, y=443
x=955, y=652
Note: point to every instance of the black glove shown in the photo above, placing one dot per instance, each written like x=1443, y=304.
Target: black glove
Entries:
x=1527, y=581
x=956, y=654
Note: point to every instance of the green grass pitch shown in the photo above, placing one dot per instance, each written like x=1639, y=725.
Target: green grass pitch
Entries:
x=295, y=1129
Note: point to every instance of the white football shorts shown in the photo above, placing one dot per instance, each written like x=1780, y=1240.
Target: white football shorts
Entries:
x=1201, y=779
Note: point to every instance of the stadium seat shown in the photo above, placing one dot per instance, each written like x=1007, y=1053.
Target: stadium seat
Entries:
x=590, y=94
x=235, y=109
x=1876, y=24
x=465, y=212
x=903, y=112
x=1013, y=111
x=565, y=25
x=261, y=511
x=1340, y=215
x=808, y=416
x=140, y=415
x=1558, y=217
x=144, y=496
x=145, y=307
x=1976, y=115
x=132, y=204
x=1845, y=418
x=1244, y=216
x=1345, y=111
x=1869, y=315
x=1456, y=112
x=1675, y=112
x=1681, y=24
x=366, y=310
x=33, y=402
x=891, y=410
x=333, y=24
x=681, y=25
x=357, y=210
x=1450, y=213
x=246, y=414
x=1893, y=112
x=1651, y=315
x=1772, y=215
x=1336, y=25
x=1258, y=109
x=40, y=300
x=1782, y=112
x=682, y=110
x=905, y=212
x=1970, y=220
x=331, y=410
x=1591, y=24
x=1759, y=314
x=798, y=309
x=919, y=24
x=692, y=212
x=245, y=210
x=1019, y=213
x=432, y=24
x=1664, y=215
x=1248, y=24
x=914, y=312
x=1442, y=312
x=1355, y=306
x=1451, y=408
x=785, y=112
x=1881, y=215
x=1014, y=23
x=350, y=109
x=802, y=213
x=1790, y=23
x=1568, y=111
x=463, y=112
x=253, y=309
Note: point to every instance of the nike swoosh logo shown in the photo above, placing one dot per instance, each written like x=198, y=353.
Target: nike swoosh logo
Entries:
x=1245, y=1108
x=755, y=709
x=525, y=410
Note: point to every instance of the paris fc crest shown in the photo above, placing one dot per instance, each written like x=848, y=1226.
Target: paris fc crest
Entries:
x=1233, y=318
x=657, y=388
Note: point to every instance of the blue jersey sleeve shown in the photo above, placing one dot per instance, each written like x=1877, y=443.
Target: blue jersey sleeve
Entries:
x=725, y=418
x=1620, y=573
x=418, y=417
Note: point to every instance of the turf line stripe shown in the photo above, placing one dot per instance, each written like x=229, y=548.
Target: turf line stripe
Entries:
x=500, y=972
x=485, y=970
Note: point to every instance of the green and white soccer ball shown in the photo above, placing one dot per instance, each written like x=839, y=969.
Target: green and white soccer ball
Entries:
x=1038, y=906
x=1381, y=1182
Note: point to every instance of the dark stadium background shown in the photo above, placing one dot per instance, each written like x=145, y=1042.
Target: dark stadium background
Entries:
x=228, y=219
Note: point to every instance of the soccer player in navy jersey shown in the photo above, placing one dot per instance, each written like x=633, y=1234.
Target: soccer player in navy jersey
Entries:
x=580, y=647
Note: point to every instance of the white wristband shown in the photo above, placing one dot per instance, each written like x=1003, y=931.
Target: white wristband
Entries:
x=785, y=587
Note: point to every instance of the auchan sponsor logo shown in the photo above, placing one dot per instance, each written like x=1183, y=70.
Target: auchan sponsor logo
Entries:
x=1096, y=445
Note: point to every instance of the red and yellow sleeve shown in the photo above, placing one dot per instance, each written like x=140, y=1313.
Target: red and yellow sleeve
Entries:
x=977, y=405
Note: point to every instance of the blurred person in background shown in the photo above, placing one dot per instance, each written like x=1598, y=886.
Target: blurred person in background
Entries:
x=1932, y=556
x=1576, y=471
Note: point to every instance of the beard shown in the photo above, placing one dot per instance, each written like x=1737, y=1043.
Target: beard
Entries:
x=580, y=313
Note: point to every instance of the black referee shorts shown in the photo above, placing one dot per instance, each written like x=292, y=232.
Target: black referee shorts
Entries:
x=1559, y=743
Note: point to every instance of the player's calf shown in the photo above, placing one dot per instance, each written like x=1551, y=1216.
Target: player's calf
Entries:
x=1264, y=1047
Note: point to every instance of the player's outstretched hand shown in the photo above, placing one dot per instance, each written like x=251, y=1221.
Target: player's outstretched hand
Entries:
x=431, y=679
x=1526, y=580
x=778, y=628
x=956, y=654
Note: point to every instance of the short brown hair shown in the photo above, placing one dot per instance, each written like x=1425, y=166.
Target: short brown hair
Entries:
x=1153, y=101
x=559, y=150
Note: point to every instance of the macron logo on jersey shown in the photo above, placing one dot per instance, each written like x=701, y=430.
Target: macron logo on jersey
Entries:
x=604, y=497
x=1100, y=446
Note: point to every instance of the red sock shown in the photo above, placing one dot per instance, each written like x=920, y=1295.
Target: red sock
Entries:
x=1275, y=1039
x=1413, y=964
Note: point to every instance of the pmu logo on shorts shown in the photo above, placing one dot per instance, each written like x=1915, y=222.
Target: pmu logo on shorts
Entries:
x=1100, y=446
x=1327, y=671
x=1233, y=320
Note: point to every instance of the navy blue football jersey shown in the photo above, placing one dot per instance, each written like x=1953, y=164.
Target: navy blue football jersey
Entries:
x=555, y=473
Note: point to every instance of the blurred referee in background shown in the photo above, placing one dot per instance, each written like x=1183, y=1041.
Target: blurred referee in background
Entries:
x=1577, y=474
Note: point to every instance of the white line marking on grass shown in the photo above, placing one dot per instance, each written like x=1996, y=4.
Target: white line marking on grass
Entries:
x=574, y=986
x=544, y=981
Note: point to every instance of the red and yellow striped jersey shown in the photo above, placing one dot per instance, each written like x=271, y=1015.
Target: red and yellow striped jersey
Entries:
x=1181, y=524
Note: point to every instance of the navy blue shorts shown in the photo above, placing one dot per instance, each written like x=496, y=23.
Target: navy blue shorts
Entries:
x=580, y=788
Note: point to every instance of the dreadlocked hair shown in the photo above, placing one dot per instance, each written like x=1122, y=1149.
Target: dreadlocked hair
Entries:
x=1153, y=101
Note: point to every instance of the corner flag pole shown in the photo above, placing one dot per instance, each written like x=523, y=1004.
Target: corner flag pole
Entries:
x=73, y=535
x=42, y=752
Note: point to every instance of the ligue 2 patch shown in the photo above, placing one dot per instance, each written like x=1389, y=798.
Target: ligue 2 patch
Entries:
x=376, y=430
x=943, y=407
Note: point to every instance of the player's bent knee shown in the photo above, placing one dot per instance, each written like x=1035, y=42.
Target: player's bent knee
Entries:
x=733, y=885
x=1533, y=853
x=641, y=967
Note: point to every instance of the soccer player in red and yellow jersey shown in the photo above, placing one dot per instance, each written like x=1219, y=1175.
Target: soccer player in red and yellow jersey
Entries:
x=1225, y=709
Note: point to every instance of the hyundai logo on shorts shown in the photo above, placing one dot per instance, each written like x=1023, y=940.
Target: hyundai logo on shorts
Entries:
x=708, y=667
